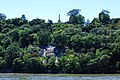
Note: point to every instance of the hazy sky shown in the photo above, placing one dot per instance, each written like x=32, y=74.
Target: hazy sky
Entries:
x=50, y=9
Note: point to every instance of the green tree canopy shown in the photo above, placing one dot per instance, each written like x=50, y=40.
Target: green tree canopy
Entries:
x=76, y=17
x=104, y=16
x=2, y=16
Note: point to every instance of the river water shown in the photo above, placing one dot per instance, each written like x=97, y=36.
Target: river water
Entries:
x=54, y=77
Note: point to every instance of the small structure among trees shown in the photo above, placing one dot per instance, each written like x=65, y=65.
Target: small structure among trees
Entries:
x=23, y=17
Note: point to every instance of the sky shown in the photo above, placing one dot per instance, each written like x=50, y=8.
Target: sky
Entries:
x=50, y=9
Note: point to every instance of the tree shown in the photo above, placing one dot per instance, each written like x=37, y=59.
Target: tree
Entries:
x=104, y=17
x=103, y=64
x=52, y=66
x=18, y=65
x=73, y=12
x=2, y=16
x=59, y=39
x=50, y=22
x=95, y=23
x=44, y=37
x=3, y=64
x=72, y=65
x=36, y=21
x=12, y=52
x=18, y=21
x=115, y=20
x=14, y=34
x=34, y=65
x=76, y=17
x=76, y=42
x=24, y=37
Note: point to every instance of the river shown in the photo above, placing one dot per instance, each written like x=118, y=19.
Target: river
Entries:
x=57, y=77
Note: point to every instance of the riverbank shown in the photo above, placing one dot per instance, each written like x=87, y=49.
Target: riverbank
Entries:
x=80, y=75
x=24, y=76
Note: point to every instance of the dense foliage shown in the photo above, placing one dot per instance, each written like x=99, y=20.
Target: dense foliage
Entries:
x=81, y=47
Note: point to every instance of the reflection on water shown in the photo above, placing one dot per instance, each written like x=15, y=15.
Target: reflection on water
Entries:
x=42, y=77
x=54, y=78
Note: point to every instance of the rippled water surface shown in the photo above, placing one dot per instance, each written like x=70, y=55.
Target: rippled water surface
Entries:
x=56, y=77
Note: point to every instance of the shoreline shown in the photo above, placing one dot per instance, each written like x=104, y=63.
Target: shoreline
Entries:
x=79, y=75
